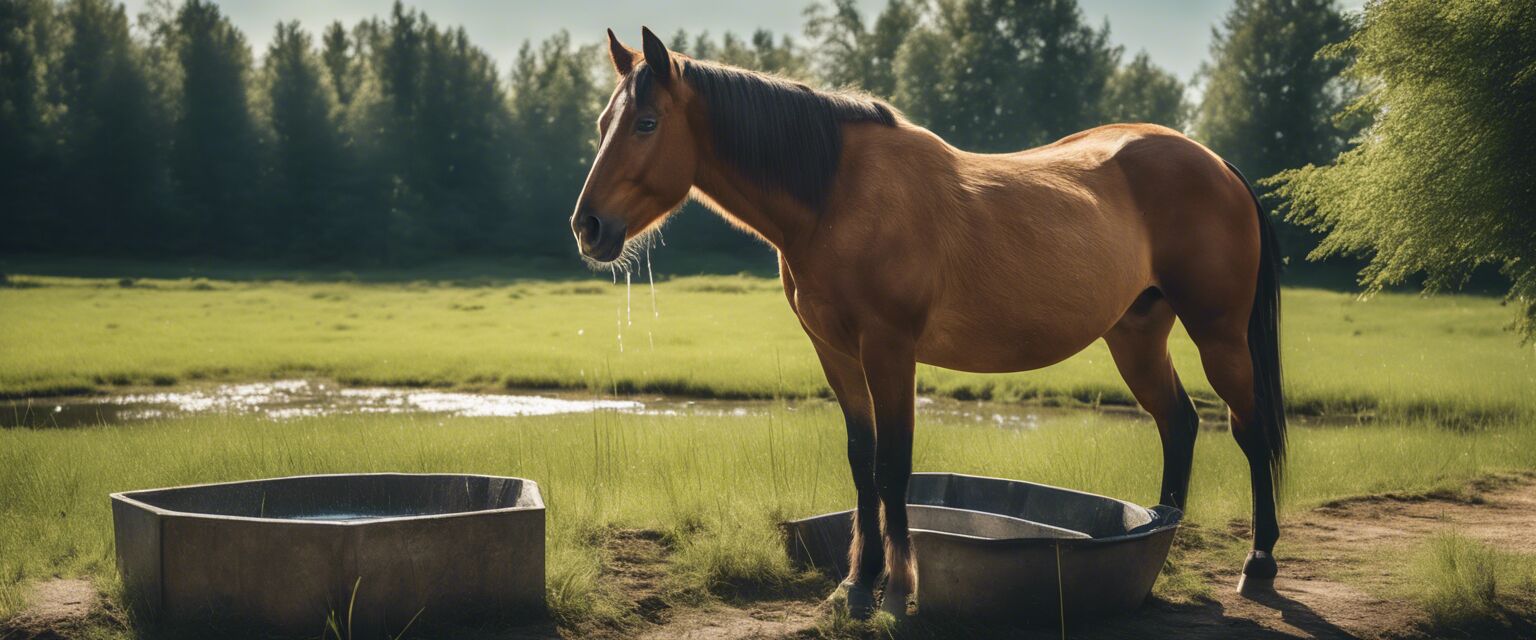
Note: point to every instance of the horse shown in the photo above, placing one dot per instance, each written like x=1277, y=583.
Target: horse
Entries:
x=896, y=248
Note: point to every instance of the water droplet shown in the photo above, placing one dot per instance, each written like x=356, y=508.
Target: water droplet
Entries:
x=650, y=274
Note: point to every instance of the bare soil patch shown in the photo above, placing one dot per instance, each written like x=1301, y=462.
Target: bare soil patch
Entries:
x=637, y=563
x=57, y=608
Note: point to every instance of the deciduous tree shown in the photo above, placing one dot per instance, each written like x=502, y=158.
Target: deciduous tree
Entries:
x=1442, y=181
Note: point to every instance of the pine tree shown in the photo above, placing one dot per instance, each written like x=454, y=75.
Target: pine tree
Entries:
x=217, y=153
x=111, y=127
x=554, y=101
x=308, y=161
x=464, y=133
x=339, y=59
x=28, y=164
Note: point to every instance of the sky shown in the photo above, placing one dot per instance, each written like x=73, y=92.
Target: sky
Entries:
x=1176, y=33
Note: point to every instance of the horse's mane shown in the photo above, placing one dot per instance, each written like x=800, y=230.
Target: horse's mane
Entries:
x=781, y=134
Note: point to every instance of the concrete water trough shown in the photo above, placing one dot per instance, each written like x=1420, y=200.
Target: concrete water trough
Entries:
x=1011, y=551
x=284, y=553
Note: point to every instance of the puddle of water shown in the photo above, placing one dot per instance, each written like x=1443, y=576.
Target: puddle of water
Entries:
x=287, y=400
x=474, y=405
x=293, y=399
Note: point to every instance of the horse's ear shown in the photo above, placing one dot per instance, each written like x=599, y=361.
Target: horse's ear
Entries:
x=656, y=56
x=623, y=57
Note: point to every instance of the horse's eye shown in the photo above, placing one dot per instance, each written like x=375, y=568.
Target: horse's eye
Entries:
x=645, y=125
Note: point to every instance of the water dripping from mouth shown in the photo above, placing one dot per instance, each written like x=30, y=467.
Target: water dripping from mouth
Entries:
x=650, y=276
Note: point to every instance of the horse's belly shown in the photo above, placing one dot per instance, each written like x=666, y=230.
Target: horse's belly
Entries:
x=1036, y=294
x=1014, y=325
x=1019, y=345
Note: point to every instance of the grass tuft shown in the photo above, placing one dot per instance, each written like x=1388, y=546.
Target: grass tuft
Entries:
x=1461, y=581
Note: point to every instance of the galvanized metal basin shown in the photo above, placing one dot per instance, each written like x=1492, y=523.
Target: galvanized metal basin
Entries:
x=285, y=553
x=1011, y=551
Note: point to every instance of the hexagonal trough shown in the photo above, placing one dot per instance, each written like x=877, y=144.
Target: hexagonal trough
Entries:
x=992, y=549
x=284, y=553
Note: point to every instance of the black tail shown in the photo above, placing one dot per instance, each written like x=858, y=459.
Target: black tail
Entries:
x=1264, y=339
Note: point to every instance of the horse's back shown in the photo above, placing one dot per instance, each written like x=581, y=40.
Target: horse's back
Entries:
x=1009, y=262
x=1196, y=216
x=1061, y=239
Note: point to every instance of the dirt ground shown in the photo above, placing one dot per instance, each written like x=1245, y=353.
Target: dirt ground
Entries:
x=59, y=608
x=1340, y=564
x=1344, y=564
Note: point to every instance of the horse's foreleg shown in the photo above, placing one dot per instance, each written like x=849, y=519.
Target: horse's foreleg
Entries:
x=889, y=370
x=866, y=555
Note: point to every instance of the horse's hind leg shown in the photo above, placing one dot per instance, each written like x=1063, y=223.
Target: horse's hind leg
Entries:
x=1223, y=344
x=1139, y=344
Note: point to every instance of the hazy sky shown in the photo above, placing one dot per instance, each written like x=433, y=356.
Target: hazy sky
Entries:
x=1176, y=33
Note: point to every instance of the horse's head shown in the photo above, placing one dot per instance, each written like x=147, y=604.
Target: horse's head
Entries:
x=646, y=159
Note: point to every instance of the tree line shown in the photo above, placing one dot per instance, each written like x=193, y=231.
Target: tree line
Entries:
x=396, y=140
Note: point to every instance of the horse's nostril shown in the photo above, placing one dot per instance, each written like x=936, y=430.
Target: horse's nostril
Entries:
x=591, y=227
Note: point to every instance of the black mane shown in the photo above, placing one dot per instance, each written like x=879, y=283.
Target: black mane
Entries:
x=781, y=134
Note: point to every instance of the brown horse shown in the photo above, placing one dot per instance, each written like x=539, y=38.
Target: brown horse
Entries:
x=896, y=248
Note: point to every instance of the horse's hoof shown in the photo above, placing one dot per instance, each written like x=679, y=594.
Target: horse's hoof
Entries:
x=858, y=600
x=897, y=604
x=1259, y=572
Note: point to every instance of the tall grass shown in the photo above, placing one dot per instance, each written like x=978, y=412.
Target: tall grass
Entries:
x=1459, y=580
x=1393, y=356
x=714, y=486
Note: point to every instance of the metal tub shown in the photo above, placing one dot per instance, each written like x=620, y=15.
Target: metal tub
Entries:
x=284, y=554
x=1001, y=550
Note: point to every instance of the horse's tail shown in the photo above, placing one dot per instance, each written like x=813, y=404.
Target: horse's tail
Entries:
x=1264, y=339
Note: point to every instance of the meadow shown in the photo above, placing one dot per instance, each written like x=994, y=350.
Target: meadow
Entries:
x=1395, y=356
x=1421, y=395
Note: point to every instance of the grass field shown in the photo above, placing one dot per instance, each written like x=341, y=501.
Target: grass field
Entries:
x=1393, y=356
x=715, y=487
x=1450, y=388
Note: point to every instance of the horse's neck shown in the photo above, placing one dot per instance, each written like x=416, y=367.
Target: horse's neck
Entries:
x=772, y=214
x=876, y=150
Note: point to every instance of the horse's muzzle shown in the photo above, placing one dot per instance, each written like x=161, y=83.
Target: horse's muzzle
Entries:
x=600, y=238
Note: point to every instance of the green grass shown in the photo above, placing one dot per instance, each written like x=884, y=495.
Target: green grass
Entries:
x=1459, y=580
x=1393, y=356
x=715, y=486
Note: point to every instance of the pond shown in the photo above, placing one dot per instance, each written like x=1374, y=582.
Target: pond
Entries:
x=293, y=399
